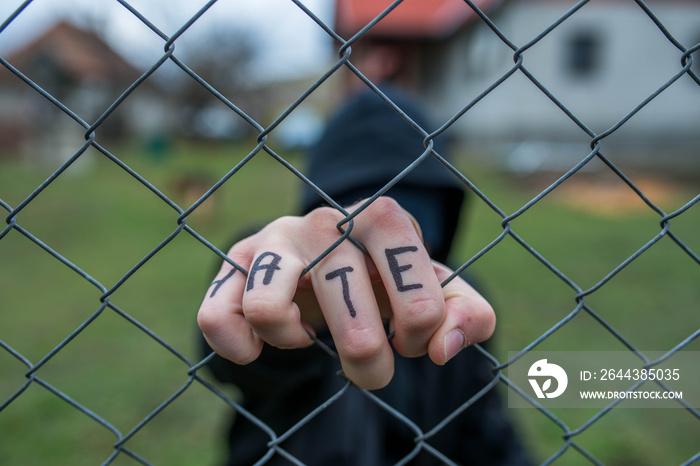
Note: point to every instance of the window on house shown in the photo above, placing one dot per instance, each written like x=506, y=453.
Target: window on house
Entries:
x=484, y=53
x=583, y=54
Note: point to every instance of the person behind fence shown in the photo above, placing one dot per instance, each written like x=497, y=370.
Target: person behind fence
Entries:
x=259, y=324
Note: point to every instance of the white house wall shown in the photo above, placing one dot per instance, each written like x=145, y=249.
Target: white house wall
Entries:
x=635, y=60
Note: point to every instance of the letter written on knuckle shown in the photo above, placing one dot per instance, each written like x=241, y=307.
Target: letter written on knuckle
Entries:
x=397, y=270
x=343, y=274
x=270, y=268
x=217, y=283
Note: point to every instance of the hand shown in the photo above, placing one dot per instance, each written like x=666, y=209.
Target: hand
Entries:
x=348, y=290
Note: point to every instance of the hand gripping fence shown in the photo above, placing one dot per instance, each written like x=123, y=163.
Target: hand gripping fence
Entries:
x=192, y=370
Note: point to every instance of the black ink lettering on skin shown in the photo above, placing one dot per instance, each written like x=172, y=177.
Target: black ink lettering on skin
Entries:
x=397, y=270
x=217, y=283
x=343, y=274
x=269, y=269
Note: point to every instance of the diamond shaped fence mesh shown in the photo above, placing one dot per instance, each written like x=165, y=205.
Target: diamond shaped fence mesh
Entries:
x=104, y=257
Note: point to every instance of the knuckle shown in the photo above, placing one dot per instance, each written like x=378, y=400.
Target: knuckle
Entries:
x=284, y=223
x=237, y=250
x=207, y=320
x=423, y=315
x=324, y=215
x=262, y=312
x=362, y=346
x=322, y=222
x=275, y=231
x=386, y=205
x=385, y=209
x=386, y=216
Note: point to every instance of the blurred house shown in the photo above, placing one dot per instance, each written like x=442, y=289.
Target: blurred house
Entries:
x=86, y=75
x=601, y=63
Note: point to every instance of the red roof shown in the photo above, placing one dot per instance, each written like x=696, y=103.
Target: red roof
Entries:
x=424, y=19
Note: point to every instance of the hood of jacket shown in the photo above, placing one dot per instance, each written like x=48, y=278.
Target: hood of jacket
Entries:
x=367, y=144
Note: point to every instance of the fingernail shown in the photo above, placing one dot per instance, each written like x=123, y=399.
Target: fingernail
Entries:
x=454, y=343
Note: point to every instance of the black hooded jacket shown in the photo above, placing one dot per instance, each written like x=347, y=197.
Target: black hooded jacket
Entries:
x=367, y=144
x=364, y=147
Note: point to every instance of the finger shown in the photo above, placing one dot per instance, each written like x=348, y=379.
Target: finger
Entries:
x=406, y=270
x=344, y=292
x=268, y=299
x=469, y=318
x=221, y=318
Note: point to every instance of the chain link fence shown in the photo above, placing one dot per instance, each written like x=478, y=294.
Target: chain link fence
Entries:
x=192, y=372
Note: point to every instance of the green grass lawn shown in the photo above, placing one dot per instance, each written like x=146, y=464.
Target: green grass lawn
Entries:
x=653, y=303
x=104, y=221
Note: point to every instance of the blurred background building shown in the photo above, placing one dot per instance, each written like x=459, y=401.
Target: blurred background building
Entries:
x=600, y=63
x=84, y=73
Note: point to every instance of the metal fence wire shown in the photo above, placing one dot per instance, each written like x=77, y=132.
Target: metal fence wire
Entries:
x=194, y=370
